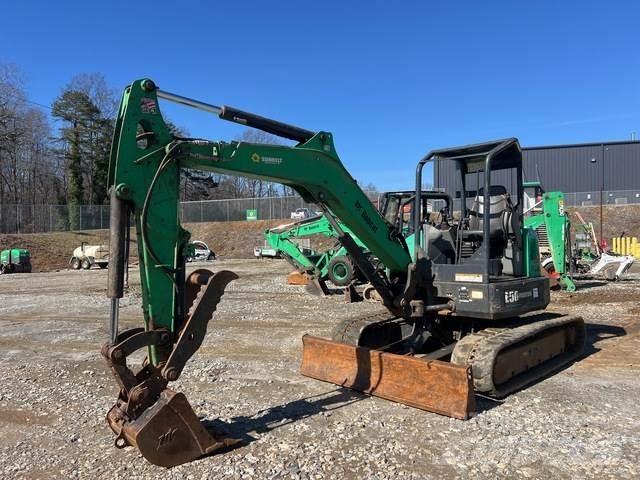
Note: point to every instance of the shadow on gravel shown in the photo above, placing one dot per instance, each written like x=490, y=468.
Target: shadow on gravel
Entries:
x=596, y=332
x=484, y=404
x=271, y=418
x=588, y=283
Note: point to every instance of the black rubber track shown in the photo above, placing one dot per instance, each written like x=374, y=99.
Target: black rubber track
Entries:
x=481, y=349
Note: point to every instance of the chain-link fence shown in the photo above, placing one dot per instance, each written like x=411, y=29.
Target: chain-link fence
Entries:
x=55, y=218
x=267, y=208
x=52, y=218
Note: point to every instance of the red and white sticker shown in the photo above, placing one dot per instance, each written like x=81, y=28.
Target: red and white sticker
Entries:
x=147, y=105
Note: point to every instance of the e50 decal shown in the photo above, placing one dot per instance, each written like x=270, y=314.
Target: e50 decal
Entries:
x=510, y=296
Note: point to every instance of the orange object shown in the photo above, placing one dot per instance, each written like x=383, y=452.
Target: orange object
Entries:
x=431, y=385
x=297, y=278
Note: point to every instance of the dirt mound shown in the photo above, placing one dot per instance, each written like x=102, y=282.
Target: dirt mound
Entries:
x=52, y=251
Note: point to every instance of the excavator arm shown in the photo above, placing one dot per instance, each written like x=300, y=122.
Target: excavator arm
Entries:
x=144, y=180
x=557, y=227
x=144, y=174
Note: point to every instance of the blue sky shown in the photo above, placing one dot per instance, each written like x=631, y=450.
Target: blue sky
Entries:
x=391, y=80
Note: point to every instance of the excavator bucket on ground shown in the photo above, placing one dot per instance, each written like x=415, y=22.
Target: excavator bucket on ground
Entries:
x=430, y=385
x=168, y=433
x=155, y=419
x=297, y=278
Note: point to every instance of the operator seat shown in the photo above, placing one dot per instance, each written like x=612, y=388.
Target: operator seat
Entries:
x=500, y=210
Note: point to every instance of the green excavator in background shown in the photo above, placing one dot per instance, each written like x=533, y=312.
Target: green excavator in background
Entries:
x=334, y=264
x=548, y=218
x=460, y=295
x=546, y=215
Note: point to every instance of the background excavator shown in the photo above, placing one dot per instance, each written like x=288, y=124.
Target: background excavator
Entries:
x=333, y=264
x=459, y=295
x=560, y=258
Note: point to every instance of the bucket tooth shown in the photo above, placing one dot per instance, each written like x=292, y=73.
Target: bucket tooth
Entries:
x=431, y=385
x=168, y=433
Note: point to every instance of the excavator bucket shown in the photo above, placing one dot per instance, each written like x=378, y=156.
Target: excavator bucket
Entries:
x=297, y=278
x=168, y=433
x=431, y=385
x=156, y=420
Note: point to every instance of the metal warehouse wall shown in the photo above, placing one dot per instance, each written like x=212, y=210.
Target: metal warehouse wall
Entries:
x=568, y=168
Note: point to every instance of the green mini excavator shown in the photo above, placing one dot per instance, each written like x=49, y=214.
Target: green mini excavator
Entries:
x=333, y=264
x=463, y=296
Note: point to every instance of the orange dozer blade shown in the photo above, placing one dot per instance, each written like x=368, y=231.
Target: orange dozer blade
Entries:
x=297, y=278
x=431, y=385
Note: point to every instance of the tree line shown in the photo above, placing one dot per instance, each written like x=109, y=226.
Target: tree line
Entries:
x=58, y=154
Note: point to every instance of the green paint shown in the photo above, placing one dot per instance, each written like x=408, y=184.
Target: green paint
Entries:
x=557, y=224
x=282, y=239
x=142, y=143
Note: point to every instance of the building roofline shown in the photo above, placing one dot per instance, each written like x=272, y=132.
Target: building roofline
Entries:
x=590, y=144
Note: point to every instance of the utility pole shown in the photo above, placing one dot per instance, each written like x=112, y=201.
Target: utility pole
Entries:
x=602, y=198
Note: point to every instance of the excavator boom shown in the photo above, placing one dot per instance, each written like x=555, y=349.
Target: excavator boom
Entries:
x=144, y=183
x=332, y=264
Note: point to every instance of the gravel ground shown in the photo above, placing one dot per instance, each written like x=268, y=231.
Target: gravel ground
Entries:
x=580, y=423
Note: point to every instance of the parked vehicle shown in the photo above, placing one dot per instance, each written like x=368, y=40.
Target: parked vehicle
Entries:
x=197, y=251
x=302, y=213
x=560, y=259
x=266, y=251
x=85, y=256
x=15, y=260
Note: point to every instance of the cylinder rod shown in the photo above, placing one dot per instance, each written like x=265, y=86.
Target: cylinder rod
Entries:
x=113, y=320
x=235, y=115
x=190, y=102
x=118, y=226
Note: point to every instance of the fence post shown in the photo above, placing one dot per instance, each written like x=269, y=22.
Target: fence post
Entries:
x=80, y=217
x=50, y=218
x=227, y=202
x=17, y=218
x=201, y=211
x=270, y=208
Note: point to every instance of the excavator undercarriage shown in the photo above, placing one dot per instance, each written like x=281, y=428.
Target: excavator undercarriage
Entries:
x=462, y=297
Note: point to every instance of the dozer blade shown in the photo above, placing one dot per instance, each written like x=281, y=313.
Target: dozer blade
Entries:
x=168, y=433
x=297, y=278
x=430, y=385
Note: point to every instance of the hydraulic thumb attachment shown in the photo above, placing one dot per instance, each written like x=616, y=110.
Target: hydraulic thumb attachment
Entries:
x=148, y=415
